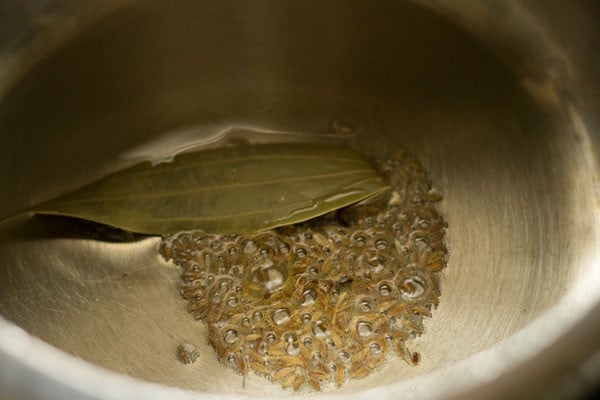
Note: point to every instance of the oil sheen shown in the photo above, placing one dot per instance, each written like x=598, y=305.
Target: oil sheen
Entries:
x=323, y=301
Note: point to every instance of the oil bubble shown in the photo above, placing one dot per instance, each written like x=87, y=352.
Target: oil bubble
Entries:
x=306, y=318
x=412, y=288
x=381, y=244
x=284, y=248
x=232, y=302
x=270, y=338
x=364, y=306
x=231, y=336
x=280, y=316
x=301, y=252
x=344, y=356
x=359, y=241
x=320, y=331
x=307, y=342
x=375, y=348
x=273, y=279
x=292, y=347
x=250, y=247
x=364, y=329
x=385, y=289
x=308, y=297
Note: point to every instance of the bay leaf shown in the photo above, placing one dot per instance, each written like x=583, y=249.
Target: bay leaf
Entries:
x=227, y=190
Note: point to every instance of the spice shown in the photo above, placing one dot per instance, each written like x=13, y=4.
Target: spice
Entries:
x=325, y=300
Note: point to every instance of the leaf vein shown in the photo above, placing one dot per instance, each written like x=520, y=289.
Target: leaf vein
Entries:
x=221, y=187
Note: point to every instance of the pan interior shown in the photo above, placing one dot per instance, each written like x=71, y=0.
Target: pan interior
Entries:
x=149, y=78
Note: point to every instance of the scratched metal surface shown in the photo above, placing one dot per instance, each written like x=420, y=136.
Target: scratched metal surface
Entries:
x=506, y=139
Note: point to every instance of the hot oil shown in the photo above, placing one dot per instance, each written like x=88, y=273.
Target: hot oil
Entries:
x=204, y=137
x=327, y=300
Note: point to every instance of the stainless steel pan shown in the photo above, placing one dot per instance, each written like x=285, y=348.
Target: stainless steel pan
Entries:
x=499, y=100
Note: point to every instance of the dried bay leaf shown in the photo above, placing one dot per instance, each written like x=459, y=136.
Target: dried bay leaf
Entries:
x=227, y=190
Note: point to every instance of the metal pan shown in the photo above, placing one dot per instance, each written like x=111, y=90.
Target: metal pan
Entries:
x=499, y=100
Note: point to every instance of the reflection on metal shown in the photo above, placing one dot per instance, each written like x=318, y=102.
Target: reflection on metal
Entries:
x=503, y=116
